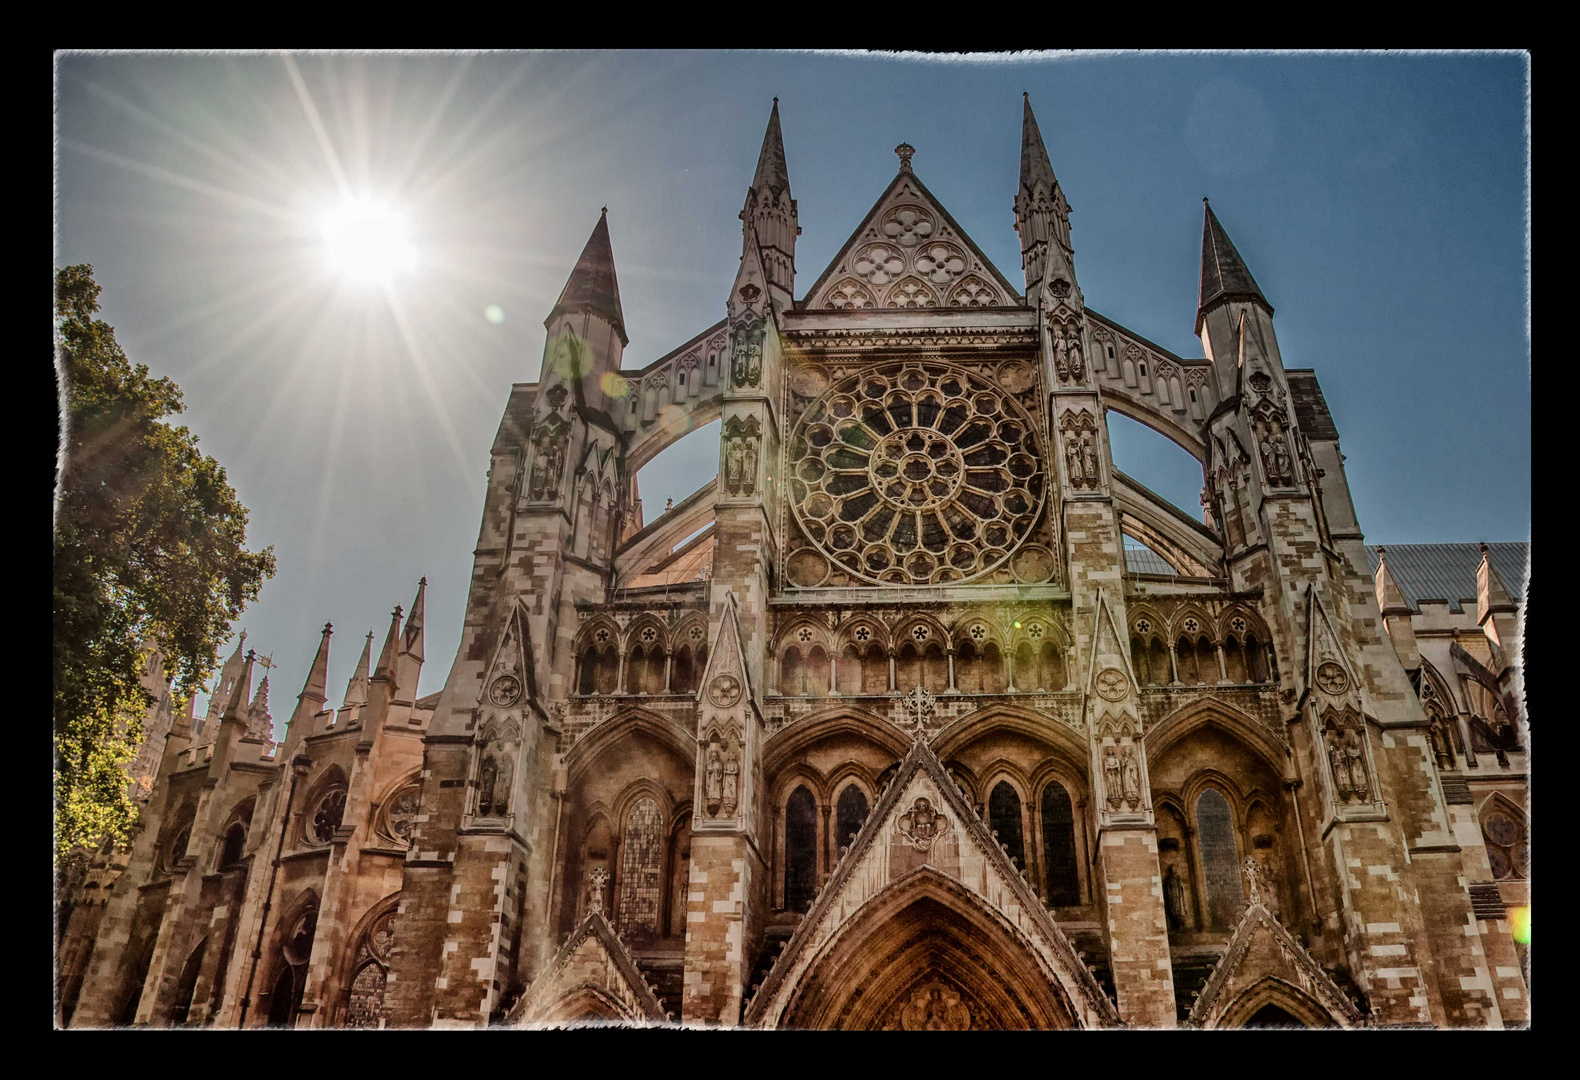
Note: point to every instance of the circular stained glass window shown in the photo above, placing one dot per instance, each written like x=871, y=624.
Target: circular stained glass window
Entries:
x=916, y=474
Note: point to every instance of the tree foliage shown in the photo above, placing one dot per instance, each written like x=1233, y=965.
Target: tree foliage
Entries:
x=150, y=550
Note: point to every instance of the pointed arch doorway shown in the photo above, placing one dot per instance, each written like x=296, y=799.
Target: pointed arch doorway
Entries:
x=927, y=954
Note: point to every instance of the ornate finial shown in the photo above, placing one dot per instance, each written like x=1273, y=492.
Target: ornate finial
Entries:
x=1483, y=546
x=243, y=640
x=396, y=612
x=596, y=881
x=329, y=628
x=1253, y=880
x=249, y=656
x=776, y=101
x=919, y=704
x=1204, y=198
x=1025, y=95
x=905, y=150
x=422, y=581
x=603, y=211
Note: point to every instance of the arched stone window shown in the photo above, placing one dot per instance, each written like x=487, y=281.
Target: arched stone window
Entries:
x=969, y=669
x=326, y=815
x=1258, y=660
x=1024, y=675
x=815, y=673
x=1158, y=664
x=850, y=673
x=792, y=673
x=1220, y=859
x=1234, y=660
x=908, y=668
x=1185, y=660
x=683, y=676
x=875, y=670
x=1503, y=829
x=800, y=850
x=235, y=848
x=1004, y=820
x=1060, y=865
x=369, y=973
x=296, y=950
x=850, y=812
x=187, y=986
x=1050, y=667
x=642, y=870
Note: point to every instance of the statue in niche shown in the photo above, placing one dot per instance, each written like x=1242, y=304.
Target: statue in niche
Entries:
x=1357, y=766
x=732, y=466
x=548, y=460
x=713, y=779
x=747, y=339
x=1275, y=458
x=1174, y=898
x=502, y=784
x=749, y=466
x=485, y=786
x=1340, y=764
x=1089, y=460
x=731, y=784
x=1281, y=460
x=1442, y=750
x=1132, y=778
x=1112, y=782
x=1061, y=341
x=1077, y=362
x=1072, y=462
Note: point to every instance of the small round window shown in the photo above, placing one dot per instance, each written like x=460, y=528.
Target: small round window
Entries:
x=327, y=814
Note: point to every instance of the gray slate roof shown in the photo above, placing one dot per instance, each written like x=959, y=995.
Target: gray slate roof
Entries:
x=1448, y=571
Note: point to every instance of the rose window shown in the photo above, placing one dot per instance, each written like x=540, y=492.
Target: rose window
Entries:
x=909, y=226
x=326, y=816
x=879, y=264
x=916, y=474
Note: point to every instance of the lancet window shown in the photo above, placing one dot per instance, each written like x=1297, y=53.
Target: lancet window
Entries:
x=850, y=813
x=1005, y=820
x=1060, y=866
x=1220, y=859
x=800, y=850
x=642, y=870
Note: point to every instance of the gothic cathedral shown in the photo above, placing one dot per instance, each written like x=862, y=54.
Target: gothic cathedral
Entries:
x=920, y=714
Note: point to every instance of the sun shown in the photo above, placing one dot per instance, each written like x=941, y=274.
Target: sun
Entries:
x=367, y=241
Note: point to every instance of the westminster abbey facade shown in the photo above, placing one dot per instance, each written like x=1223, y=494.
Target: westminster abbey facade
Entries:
x=919, y=715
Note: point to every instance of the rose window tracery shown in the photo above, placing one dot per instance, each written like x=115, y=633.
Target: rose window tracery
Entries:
x=916, y=474
x=327, y=814
x=941, y=263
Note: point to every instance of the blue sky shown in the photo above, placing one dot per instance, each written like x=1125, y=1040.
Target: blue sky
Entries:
x=1380, y=201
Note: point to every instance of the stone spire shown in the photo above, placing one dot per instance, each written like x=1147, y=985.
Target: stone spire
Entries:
x=1042, y=218
x=409, y=662
x=769, y=217
x=260, y=725
x=1035, y=168
x=1496, y=612
x=316, y=688
x=1224, y=275
x=386, y=665
x=236, y=708
x=1396, y=614
x=357, y=687
x=592, y=285
x=223, y=683
x=772, y=172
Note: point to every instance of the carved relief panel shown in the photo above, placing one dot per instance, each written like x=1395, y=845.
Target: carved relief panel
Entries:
x=550, y=437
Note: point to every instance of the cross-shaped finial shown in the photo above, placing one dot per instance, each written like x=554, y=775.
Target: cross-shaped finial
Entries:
x=597, y=879
x=905, y=150
x=1253, y=880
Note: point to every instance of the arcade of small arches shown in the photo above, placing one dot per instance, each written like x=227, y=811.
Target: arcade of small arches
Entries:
x=646, y=657
x=862, y=657
x=1191, y=648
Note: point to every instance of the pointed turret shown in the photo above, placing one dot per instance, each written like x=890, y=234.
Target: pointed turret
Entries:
x=260, y=725
x=1042, y=218
x=1396, y=614
x=1495, y=608
x=409, y=663
x=386, y=666
x=1224, y=275
x=236, y=707
x=224, y=683
x=357, y=686
x=770, y=213
x=592, y=286
x=316, y=688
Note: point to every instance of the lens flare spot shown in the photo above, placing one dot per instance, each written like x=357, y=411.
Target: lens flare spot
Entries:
x=615, y=385
x=494, y=314
x=1520, y=924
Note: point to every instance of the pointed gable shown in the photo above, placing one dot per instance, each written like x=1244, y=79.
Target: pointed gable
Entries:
x=923, y=829
x=1265, y=965
x=509, y=673
x=909, y=253
x=592, y=979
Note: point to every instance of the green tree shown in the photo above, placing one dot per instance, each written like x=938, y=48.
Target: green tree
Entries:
x=149, y=548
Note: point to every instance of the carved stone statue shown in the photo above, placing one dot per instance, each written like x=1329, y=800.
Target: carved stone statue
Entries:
x=1072, y=461
x=748, y=466
x=732, y=467
x=1174, y=898
x=747, y=368
x=595, y=886
x=1282, y=462
x=731, y=784
x=1089, y=460
x=485, y=786
x=1340, y=764
x=713, y=780
x=1077, y=358
x=1132, y=778
x=1061, y=341
x=502, y=784
x=1113, y=785
x=1357, y=766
